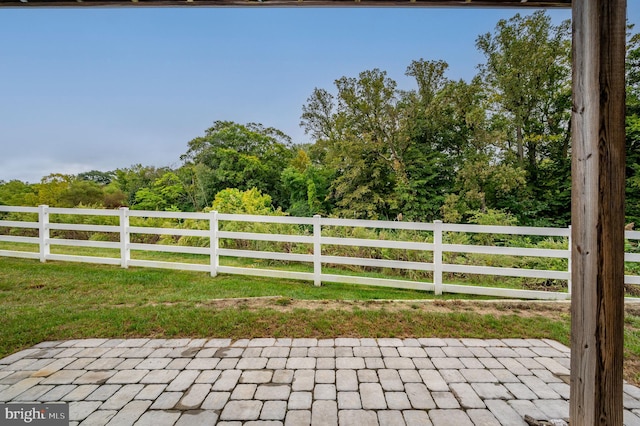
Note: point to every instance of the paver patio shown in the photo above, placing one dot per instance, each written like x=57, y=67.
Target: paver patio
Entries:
x=343, y=381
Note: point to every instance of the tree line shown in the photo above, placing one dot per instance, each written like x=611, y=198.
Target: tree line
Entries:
x=497, y=146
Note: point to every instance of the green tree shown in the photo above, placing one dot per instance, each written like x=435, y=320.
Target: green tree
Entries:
x=51, y=188
x=97, y=176
x=81, y=192
x=527, y=71
x=132, y=179
x=193, y=177
x=446, y=126
x=18, y=193
x=232, y=155
x=166, y=193
x=395, y=152
x=251, y=201
x=308, y=186
x=483, y=185
x=633, y=129
x=360, y=140
x=113, y=197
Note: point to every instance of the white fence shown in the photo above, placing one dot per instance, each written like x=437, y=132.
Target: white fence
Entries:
x=313, y=237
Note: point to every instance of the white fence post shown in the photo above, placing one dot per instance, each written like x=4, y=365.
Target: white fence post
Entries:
x=213, y=243
x=43, y=220
x=317, y=251
x=569, y=258
x=125, y=237
x=437, y=256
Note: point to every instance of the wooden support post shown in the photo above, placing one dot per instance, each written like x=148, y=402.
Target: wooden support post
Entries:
x=597, y=211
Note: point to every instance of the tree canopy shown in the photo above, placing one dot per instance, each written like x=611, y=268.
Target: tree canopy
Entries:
x=496, y=147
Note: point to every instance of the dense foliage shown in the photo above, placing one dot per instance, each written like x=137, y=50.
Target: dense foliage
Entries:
x=498, y=145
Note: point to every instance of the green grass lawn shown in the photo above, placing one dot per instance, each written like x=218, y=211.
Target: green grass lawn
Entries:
x=60, y=300
x=449, y=278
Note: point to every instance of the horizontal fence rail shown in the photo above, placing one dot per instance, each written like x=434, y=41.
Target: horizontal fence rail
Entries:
x=320, y=252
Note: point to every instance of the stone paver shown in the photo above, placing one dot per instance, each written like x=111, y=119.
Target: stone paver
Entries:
x=504, y=413
x=419, y=396
x=482, y=417
x=197, y=417
x=467, y=396
x=158, y=418
x=397, y=401
x=491, y=391
x=348, y=401
x=79, y=393
x=298, y=418
x=520, y=391
x=390, y=380
x=128, y=376
x=284, y=381
x=527, y=408
x=303, y=380
x=372, y=396
x=57, y=393
x=391, y=418
x=102, y=393
x=554, y=408
x=194, y=397
x=157, y=376
x=227, y=380
x=97, y=377
x=99, y=418
x=445, y=400
x=166, y=400
x=417, y=417
x=62, y=377
x=346, y=380
x=324, y=391
x=241, y=410
x=274, y=410
x=324, y=413
x=80, y=410
x=357, y=418
x=121, y=397
x=450, y=417
x=130, y=413
x=216, y=401
x=244, y=391
x=33, y=393
x=434, y=381
x=183, y=380
x=273, y=392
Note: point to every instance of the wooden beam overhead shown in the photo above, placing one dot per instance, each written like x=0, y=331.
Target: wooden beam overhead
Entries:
x=286, y=3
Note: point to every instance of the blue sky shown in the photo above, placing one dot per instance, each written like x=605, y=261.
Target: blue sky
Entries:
x=85, y=89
